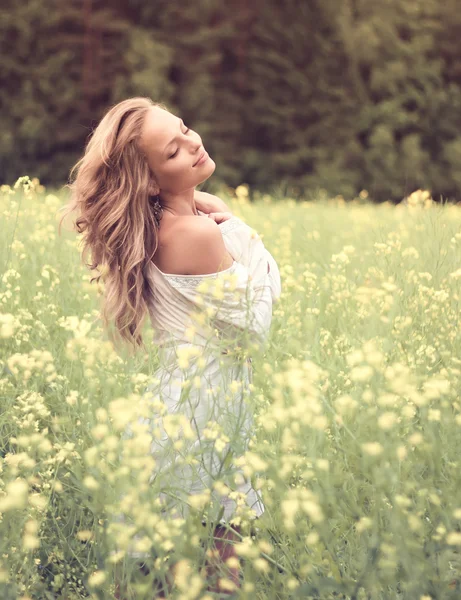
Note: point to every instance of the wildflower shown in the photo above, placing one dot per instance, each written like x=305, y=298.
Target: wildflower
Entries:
x=363, y=524
x=289, y=509
x=71, y=398
x=246, y=548
x=221, y=443
x=8, y=324
x=323, y=464
x=454, y=538
x=183, y=357
x=434, y=499
x=226, y=585
x=434, y=388
x=90, y=482
x=312, y=538
x=433, y=414
x=372, y=448
x=361, y=374
x=313, y=510
x=410, y=252
x=387, y=420
x=16, y=497
x=143, y=544
x=84, y=535
x=401, y=452
x=355, y=357
x=415, y=438
x=402, y=501
x=367, y=396
x=30, y=540
x=261, y=565
x=345, y=404
x=199, y=501
x=414, y=522
x=96, y=579
x=408, y=411
x=375, y=358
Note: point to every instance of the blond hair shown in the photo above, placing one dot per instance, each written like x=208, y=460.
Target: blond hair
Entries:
x=111, y=195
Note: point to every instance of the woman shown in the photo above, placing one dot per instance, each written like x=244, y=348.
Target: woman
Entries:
x=150, y=232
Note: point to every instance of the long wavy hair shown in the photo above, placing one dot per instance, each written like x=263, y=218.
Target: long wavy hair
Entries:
x=115, y=213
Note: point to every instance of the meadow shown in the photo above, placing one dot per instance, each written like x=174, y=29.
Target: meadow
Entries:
x=356, y=448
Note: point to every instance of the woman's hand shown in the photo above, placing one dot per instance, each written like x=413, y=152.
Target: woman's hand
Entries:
x=219, y=217
x=208, y=203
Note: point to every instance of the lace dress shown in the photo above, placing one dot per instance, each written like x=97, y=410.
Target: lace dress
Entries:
x=203, y=376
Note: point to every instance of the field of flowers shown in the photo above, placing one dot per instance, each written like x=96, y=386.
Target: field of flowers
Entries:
x=357, y=444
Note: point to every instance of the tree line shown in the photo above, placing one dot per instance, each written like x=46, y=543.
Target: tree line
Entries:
x=291, y=96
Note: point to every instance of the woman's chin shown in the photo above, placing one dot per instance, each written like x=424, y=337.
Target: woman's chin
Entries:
x=208, y=170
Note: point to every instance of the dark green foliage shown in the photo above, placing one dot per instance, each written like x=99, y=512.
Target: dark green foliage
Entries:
x=61, y=66
x=343, y=95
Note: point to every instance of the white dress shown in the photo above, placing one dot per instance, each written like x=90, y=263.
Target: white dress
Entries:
x=238, y=300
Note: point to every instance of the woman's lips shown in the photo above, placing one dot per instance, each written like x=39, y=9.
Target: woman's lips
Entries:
x=203, y=159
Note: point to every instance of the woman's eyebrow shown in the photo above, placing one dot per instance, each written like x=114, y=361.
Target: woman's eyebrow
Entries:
x=169, y=143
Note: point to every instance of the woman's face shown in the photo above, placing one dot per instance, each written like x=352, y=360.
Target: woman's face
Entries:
x=172, y=151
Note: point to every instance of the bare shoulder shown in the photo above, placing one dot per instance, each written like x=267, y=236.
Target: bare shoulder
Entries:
x=200, y=243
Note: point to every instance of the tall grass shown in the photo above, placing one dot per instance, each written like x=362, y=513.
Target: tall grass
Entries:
x=356, y=446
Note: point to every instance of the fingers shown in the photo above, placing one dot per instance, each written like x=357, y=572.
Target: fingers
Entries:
x=219, y=217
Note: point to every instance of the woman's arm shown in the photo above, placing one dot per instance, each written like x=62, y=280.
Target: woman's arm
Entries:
x=208, y=203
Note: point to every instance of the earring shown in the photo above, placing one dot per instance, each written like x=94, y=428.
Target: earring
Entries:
x=158, y=210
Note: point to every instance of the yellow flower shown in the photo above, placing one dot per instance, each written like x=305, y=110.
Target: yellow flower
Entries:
x=246, y=548
x=16, y=497
x=454, y=538
x=363, y=524
x=198, y=501
x=355, y=357
x=226, y=585
x=312, y=538
x=387, y=420
x=361, y=374
x=261, y=565
x=372, y=448
x=323, y=464
x=255, y=462
x=233, y=562
x=7, y=325
x=313, y=510
x=96, y=579
x=90, y=482
x=434, y=388
x=345, y=404
x=402, y=501
x=401, y=452
x=30, y=542
x=415, y=438
x=289, y=509
x=433, y=414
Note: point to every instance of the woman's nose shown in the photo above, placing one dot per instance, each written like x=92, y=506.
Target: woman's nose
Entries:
x=197, y=144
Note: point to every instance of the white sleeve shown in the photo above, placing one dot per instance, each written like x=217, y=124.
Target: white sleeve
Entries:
x=246, y=247
x=233, y=298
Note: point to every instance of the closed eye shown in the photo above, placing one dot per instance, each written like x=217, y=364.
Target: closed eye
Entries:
x=177, y=150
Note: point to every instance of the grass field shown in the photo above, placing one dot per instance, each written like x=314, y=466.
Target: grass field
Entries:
x=357, y=402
